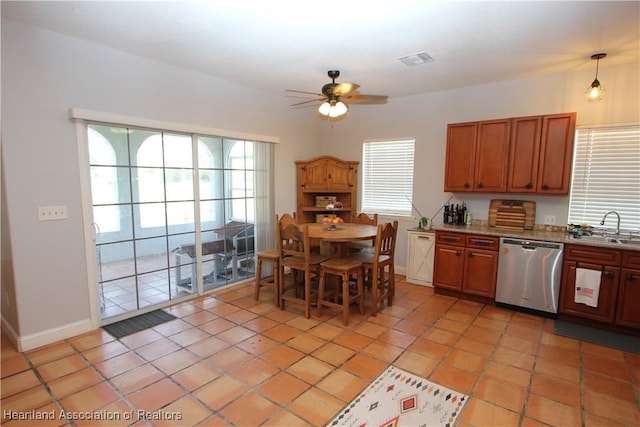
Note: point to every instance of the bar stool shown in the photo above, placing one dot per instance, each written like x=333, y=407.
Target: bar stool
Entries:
x=271, y=256
x=345, y=268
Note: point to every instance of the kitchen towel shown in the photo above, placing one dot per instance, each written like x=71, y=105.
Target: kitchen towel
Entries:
x=587, y=286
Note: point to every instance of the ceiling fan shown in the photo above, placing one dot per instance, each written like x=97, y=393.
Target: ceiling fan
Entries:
x=333, y=97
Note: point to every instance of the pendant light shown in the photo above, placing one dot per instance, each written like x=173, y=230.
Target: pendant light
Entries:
x=595, y=92
x=333, y=109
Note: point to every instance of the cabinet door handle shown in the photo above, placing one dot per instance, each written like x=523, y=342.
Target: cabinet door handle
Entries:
x=529, y=185
x=424, y=237
x=483, y=242
x=467, y=185
x=450, y=239
x=480, y=185
x=470, y=255
x=631, y=277
x=458, y=253
x=608, y=274
x=545, y=187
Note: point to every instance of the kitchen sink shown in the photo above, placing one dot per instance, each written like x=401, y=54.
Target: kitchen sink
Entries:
x=609, y=239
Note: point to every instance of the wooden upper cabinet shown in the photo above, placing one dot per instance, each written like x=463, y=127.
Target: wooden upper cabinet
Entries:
x=313, y=175
x=556, y=153
x=515, y=155
x=492, y=156
x=340, y=175
x=460, y=158
x=525, y=154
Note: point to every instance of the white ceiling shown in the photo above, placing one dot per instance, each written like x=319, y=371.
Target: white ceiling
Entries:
x=290, y=44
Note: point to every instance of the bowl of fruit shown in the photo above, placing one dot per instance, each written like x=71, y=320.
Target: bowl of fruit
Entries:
x=333, y=220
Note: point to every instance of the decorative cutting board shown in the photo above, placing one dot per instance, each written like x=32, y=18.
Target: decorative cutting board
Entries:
x=512, y=214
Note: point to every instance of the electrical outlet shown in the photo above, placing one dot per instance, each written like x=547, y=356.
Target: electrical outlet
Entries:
x=52, y=213
x=549, y=219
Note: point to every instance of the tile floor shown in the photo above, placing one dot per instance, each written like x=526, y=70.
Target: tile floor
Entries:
x=231, y=360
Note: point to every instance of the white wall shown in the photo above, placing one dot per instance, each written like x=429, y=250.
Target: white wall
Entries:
x=425, y=117
x=43, y=74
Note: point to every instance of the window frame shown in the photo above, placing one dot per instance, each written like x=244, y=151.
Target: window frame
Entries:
x=595, y=179
x=371, y=183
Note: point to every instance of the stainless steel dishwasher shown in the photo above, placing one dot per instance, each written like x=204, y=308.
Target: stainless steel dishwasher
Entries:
x=529, y=274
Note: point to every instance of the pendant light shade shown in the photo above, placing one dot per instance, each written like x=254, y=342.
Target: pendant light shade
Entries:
x=333, y=109
x=595, y=91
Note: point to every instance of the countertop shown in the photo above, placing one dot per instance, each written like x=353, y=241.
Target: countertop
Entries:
x=549, y=234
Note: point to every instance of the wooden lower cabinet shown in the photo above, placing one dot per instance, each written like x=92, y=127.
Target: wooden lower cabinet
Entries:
x=605, y=311
x=628, y=310
x=480, y=272
x=619, y=296
x=463, y=269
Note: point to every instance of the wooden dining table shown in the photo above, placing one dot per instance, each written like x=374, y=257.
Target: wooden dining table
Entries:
x=332, y=239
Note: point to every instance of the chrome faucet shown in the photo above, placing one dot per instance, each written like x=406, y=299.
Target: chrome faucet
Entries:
x=605, y=217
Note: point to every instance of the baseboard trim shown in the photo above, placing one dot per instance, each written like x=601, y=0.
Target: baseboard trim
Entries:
x=29, y=342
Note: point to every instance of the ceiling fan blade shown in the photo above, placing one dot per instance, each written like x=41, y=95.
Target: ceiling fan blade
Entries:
x=357, y=98
x=342, y=89
x=301, y=91
x=308, y=102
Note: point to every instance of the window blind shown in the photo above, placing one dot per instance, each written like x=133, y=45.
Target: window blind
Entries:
x=606, y=177
x=387, y=177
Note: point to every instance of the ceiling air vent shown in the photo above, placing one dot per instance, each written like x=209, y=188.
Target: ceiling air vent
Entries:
x=416, y=59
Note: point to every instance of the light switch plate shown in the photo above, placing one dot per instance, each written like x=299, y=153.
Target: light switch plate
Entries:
x=52, y=213
x=550, y=219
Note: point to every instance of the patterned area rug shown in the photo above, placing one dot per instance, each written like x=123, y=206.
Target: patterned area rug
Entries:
x=398, y=398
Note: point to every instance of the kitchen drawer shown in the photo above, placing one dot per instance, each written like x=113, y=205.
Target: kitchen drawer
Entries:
x=631, y=259
x=482, y=242
x=601, y=256
x=455, y=239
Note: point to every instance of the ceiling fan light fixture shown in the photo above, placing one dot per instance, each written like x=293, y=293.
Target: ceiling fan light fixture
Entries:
x=333, y=109
x=595, y=91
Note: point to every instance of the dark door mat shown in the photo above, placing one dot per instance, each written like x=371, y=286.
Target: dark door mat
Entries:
x=598, y=336
x=138, y=323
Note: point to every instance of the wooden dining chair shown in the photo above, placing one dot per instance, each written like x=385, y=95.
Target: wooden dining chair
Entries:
x=363, y=218
x=378, y=266
x=295, y=254
x=271, y=256
x=346, y=268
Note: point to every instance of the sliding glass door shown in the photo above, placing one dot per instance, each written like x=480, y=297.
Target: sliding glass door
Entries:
x=160, y=234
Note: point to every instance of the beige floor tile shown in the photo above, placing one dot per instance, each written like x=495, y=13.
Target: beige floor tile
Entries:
x=282, y=388
x=195, y=376
x=478, y=412
x=260, y=324
x=61, y=367
x=316, y=406
x=156, y=395
x=249, y=410
x=137, y=378
x=466, y=361
x=216, y=326
x=454, y=378
x=72, y=383
x=343, y=385
x=382, y=351
x=441, y=336
x=30, y=399
x=610, y=386
x=257, y=344
x=229, y=358
x=185, y=411
x=50, y=352
x=157, y=349
x=556, y=389
x=305, y=342
x=19, y=382
x=365, y=367
x=415, y=363
x=200, y=318
x=188, y=336
x=503, y=394
x=327, y=331
x=551, y=412
x=236, y=334
x=429, y=348
x=90, y=398
x=219, y=392
x=119, y=364
x=611, y=408
x=310, y=369
x=105, y=351
x=141, y=338
x=254, y=372
x=285, y=418
x=91, y=339
x=282, y=356
x=208, y=346
x=175, y=361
